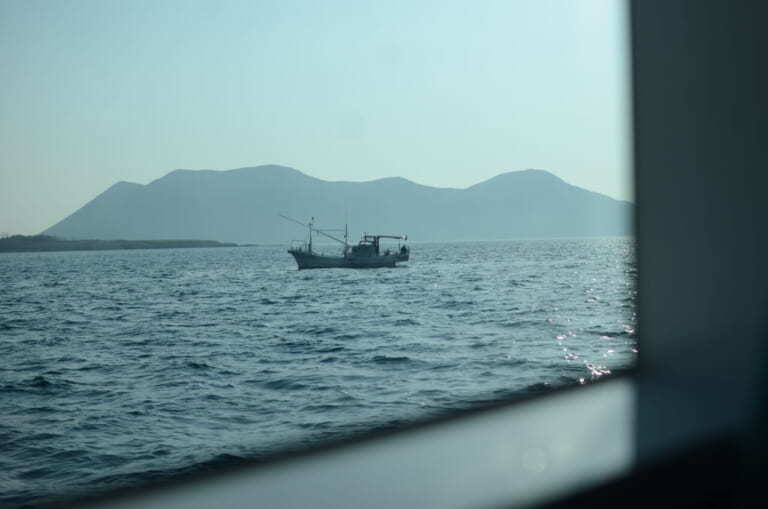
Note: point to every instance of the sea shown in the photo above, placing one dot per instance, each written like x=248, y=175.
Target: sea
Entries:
x=125, y=367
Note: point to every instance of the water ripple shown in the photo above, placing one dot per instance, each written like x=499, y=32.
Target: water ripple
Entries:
x=125, y=366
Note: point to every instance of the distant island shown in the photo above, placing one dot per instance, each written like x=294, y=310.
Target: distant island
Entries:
x=23, y=243
x=242, y=206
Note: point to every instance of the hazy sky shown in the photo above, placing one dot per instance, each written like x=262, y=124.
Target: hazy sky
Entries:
x=444, y=93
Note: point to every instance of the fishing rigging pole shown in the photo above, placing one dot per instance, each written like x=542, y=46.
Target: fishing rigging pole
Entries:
x=317, y=230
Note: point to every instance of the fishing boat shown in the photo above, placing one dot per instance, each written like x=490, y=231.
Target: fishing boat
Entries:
x=368, y=253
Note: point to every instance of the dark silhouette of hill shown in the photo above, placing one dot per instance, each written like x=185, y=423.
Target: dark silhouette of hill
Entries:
x=242, y=205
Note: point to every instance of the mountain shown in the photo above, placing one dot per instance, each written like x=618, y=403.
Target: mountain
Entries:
x=242, y=205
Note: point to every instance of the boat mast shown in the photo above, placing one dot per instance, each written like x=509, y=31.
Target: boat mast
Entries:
x=311, y=223
x=346, y=230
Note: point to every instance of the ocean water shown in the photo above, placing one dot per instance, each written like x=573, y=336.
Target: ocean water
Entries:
x=120, y=367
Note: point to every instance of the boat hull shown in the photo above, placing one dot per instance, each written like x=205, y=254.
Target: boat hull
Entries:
x=307, y=260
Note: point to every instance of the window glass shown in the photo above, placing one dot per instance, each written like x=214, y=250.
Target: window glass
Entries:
x=455, y=174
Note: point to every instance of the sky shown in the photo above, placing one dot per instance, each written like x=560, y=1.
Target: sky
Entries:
x=444, y=93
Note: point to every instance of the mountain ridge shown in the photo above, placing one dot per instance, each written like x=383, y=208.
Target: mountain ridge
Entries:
x=241, y=205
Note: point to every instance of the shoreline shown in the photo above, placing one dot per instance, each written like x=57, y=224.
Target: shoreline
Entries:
x=45, y=243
